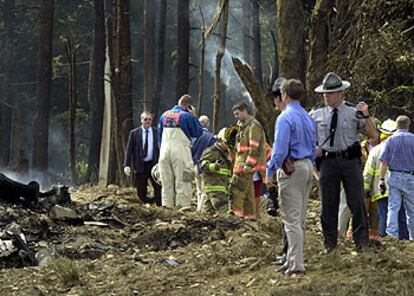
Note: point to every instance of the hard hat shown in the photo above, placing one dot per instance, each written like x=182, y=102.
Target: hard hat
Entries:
x=277, y=85
x=155, y=173
x=388, y=127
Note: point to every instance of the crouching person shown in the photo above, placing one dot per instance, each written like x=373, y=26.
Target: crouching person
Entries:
x=216, y=172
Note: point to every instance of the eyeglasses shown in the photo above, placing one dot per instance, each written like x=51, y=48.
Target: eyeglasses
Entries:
x=147, y=119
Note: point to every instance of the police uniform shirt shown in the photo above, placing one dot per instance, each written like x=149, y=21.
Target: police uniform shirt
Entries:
x=347, y=128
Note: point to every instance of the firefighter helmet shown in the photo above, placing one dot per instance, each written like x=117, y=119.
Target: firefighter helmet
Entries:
x=228, y=135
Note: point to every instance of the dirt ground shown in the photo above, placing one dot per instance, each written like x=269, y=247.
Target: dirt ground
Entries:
x=145, y=250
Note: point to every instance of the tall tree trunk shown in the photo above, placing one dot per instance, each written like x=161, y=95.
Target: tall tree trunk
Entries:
x=8, y=104
x=246, y=23
x=121, y=79
x=149, y=60
x=275, y=70
x=219, y=56
x=161, y=59
x=202, y=62
x=96, y=93
x=44, y=73
x=183, y=46
x=255, y=44
x=107, y=160
x=71, y=51
x=319, y=45
x=290, y=40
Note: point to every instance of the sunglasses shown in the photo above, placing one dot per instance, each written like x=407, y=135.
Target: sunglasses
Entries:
x=147, y=119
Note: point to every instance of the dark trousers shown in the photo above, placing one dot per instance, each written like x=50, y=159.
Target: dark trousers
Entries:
x=402, y=220
x=141, y=183
x=332, y=172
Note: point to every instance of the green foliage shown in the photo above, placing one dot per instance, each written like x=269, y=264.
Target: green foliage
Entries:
x=82, y=169
x=373, y=47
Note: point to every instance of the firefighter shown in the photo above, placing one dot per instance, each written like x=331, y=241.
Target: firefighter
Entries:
x=176, y=127
x=216, y=171
x=249, y=159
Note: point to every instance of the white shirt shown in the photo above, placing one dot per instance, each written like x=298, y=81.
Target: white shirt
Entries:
x=150, y=153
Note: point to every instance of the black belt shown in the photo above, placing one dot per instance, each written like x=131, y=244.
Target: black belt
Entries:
x=297, y=159
x=406, y=172
x=336, y=154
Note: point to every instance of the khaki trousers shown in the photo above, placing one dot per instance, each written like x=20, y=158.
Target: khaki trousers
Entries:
x=293, y=198
x=176, y=168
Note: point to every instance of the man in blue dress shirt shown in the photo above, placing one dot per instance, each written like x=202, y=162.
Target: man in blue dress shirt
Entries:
x=295, y=139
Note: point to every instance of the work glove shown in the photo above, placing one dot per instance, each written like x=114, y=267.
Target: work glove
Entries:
x=382, y=186
x=367, y=194
x=127, y=171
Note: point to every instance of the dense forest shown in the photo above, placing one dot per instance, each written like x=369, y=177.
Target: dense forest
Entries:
x=75, y=75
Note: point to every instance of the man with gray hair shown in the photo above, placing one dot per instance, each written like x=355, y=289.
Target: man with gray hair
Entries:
x=199, y=144
x=398, y=155
x=142, y=152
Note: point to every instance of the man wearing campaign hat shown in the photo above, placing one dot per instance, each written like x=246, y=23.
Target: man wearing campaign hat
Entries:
x=339, y=150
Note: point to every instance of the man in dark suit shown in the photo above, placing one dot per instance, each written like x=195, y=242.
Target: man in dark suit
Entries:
x=142, y=151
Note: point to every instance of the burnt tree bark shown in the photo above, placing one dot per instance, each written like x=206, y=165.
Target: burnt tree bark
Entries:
x=183, y=46
x=255, y=44
x=44, y=74
x=71, y=52
x=96, y=91
x=290, y=39
x=263, y=105
x=219, y=56
x=149, y=49
x=161, y=59
x=8, y=104
x=121, y=80
x=318, y=47
x=202, y=62
x=247, y=20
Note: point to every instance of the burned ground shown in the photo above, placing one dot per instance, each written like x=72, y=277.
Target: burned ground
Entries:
x=144, y=250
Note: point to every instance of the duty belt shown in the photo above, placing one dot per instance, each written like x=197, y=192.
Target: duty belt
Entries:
x=336, y=154
x=402, y=171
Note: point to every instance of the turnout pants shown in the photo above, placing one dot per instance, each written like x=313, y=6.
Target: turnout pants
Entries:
x=294, y=194
x=243, y=202
x=176, y=168
x=217, y=202
x=332, y=172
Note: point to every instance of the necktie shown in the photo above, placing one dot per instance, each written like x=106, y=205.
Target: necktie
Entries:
x=332, y=129
x=145, y=152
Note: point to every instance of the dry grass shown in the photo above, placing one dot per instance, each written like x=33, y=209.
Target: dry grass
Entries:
x=66, y=271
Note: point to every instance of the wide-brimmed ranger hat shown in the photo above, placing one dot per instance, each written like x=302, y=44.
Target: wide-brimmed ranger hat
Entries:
x=332, y=83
